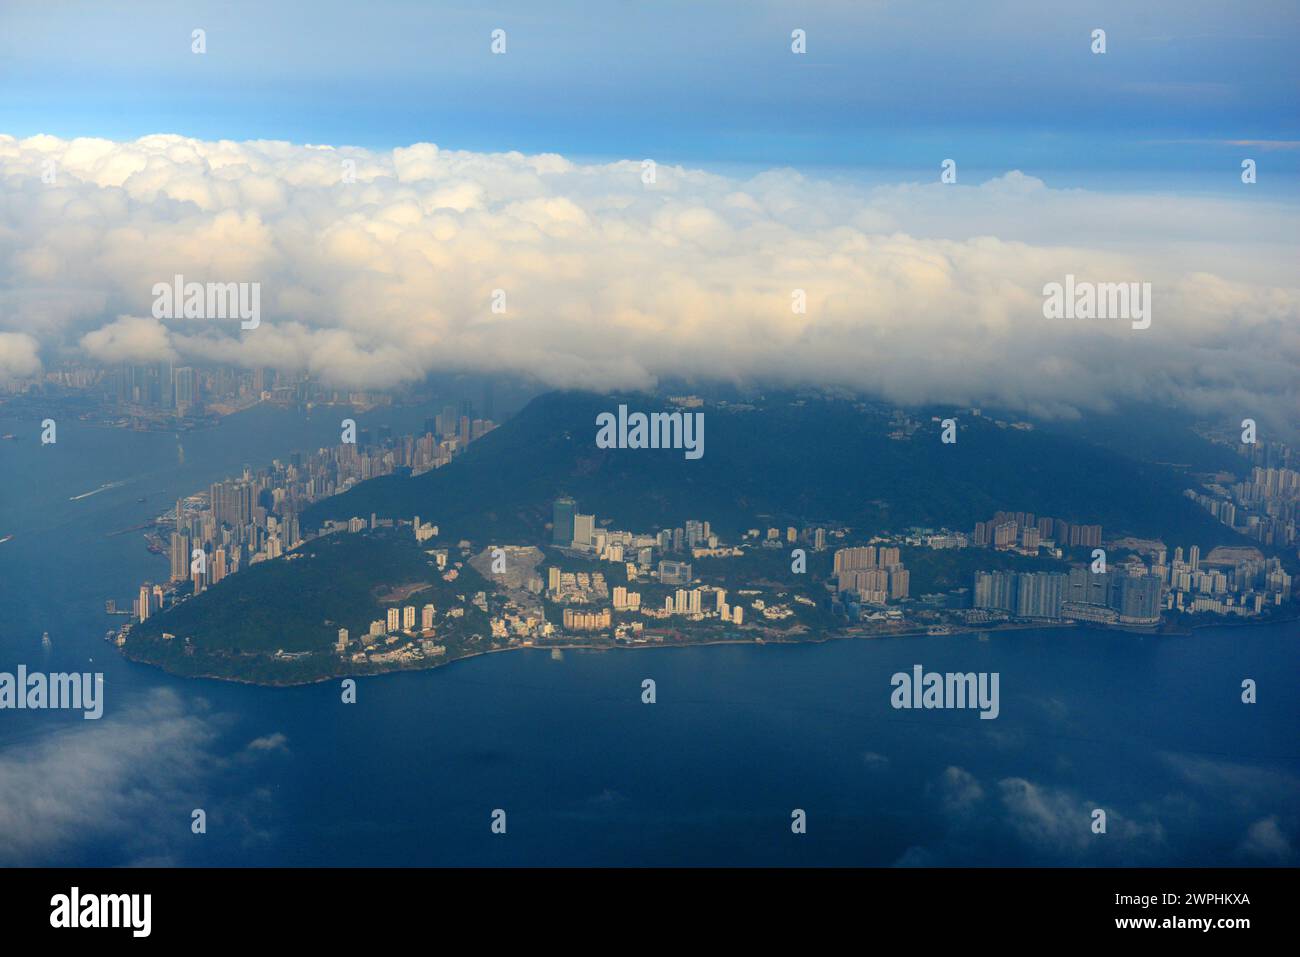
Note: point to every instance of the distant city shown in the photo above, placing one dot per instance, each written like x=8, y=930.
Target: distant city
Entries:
x=659, y=595
x=867, y=587
x=162, y=396
x=240, y=522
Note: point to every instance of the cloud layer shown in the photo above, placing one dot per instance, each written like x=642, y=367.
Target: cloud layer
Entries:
x=378, y=267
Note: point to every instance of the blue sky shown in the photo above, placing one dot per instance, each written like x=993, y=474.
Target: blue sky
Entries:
x=885, y=89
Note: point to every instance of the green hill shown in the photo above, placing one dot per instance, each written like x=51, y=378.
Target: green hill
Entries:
x=296, y=604
x=782, y=462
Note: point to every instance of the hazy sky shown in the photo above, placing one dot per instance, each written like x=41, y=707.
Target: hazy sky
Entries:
x=889, y=85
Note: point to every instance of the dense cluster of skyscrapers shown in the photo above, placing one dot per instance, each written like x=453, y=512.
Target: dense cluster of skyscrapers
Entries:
x=1230, y=581
x=255, y=517
x=1079, y=594
x=1265, y=507
x=874, y=576
x=1020, y=530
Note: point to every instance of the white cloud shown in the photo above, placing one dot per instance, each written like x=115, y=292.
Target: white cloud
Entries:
x=128, y=339
x=920, y=292
x=959, y=790
x=1265, y=840
x=18, y=355
x=122, y=789
x=275, y=741
x=118, y=779
x=1059, y=821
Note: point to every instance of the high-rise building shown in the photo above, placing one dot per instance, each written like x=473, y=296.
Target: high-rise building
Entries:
x=583, y=528
x=1087, y=587
x=575, y=620
x=851, y=559
x=1139, y=601
x=426, y=617
x=408, y=618
x=899, y=583
x=996, y=590
x=1088, y=536
x=865, y=580
x=674, y=573
x=180, y=557
x=563, y=514
x=394, y=619
x=186, y=390
x=1040, y=594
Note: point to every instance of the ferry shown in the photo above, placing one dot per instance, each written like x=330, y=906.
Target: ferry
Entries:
x=102, y=488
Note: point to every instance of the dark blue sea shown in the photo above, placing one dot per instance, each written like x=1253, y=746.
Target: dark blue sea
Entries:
x=1150, y=729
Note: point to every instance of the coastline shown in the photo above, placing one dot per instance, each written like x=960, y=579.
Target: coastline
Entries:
x=823, y=638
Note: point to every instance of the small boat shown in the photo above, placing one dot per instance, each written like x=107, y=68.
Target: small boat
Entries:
x=5, y=539
x=45, y=640
x=102, y=488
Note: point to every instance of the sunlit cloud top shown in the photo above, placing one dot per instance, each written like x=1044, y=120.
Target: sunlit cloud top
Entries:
x=376, y=267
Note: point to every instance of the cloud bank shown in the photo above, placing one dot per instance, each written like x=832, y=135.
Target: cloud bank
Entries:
x=121, y=791
x=379, y=267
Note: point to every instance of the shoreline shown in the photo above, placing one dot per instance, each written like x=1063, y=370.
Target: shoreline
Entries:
x=755, y=641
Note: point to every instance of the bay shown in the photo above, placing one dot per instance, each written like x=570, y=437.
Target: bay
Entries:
x=1150, y=729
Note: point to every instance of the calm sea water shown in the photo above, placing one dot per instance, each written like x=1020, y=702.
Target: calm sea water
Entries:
x=1152, y=730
